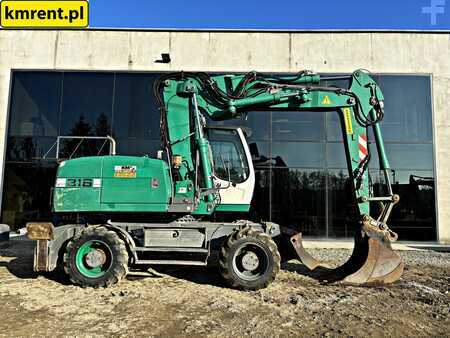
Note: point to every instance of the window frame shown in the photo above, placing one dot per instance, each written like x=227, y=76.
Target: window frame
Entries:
x=13, y=71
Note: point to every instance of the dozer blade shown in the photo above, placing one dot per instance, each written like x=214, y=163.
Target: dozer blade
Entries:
x=372, y=262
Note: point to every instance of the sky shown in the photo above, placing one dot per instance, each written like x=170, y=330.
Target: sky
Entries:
x=264, y=14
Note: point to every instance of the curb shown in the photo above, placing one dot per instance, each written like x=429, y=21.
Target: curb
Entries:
x=4, y=232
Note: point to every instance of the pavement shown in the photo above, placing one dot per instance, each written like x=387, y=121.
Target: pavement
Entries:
x=327, y=243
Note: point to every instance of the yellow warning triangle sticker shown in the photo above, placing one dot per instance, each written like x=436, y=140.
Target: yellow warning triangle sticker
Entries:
x=326, y=100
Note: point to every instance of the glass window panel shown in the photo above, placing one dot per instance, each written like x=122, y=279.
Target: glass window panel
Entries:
x=73, y=148
x=336, y=157
x=228, y=160
x=228, y=155
x=138, y=147
x=26, y=193
x=405, y=156
x=297, y=126
x=334, y=128
x=338, y=200
x=298, y=199
x=255, y=124
x=260, y=152
x=407, y=119
x=136, y=113
x=414, y=217
x=337, y=83
x=35, y=104
x=26, y=149
x=260, y=205
x=407, y=108
x=87, y=104
x=298, y=154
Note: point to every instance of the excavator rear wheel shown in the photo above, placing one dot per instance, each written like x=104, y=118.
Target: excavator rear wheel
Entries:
x=97, y=257
x=249, y=259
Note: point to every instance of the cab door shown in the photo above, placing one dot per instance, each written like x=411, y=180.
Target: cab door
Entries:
x=233, y=168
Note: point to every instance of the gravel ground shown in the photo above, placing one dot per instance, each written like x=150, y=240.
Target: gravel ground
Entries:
x=193, y=302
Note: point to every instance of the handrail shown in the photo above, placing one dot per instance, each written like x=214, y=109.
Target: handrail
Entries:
x=112, y=143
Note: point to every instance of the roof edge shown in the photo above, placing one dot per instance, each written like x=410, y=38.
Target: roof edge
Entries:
x=225, y=30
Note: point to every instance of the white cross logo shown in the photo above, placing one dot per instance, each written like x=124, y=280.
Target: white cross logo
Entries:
x=436, y=7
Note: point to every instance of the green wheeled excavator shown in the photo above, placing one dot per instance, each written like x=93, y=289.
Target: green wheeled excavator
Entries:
x=203, y=171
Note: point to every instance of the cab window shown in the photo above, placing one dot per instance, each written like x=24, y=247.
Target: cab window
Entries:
x=228, y=154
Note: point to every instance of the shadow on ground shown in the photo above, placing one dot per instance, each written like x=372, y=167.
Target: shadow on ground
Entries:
x=19, y=252
x=17, y=258
x=199, y=275
x=317, y=274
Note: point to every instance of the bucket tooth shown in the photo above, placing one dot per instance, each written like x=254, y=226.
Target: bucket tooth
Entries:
x=372, y=262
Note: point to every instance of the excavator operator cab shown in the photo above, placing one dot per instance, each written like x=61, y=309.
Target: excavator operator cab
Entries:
x=232, y=166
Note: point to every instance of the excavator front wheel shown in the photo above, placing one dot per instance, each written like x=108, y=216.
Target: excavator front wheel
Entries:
x=249, y=260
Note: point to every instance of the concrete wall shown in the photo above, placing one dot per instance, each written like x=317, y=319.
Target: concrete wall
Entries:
x=244, y=51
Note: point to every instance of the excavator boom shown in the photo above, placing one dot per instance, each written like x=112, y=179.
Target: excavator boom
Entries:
x=359, y=107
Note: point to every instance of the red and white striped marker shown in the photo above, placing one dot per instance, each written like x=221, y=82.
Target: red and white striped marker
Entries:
x=362, y=144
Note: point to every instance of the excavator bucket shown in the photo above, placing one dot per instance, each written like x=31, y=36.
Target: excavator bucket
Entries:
x=372, y=262
x=305, y=257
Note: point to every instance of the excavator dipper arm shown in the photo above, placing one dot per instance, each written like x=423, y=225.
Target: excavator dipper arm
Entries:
x=359, y=107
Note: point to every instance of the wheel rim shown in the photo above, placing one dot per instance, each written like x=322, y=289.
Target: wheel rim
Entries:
x=250, y=262
x=93, y=259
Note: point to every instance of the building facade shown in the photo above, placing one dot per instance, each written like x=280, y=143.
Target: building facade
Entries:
x=98, y=82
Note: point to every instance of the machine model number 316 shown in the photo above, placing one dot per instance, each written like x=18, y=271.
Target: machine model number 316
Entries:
x=79, y=182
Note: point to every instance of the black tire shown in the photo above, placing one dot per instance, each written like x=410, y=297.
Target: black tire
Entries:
x=249, y=242
x=113, y=254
